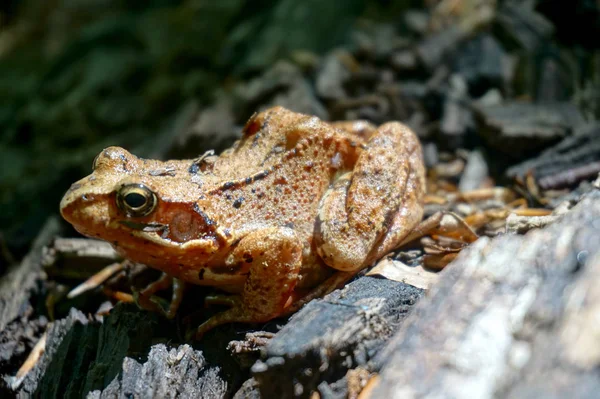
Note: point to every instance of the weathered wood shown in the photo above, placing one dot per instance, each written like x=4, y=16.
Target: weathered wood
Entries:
x=18, y=284
x=77, y=258
x=519, y=23
x=575, y=158
x=328, y=337
x=511, y=317
x=16, y=343
x=481, y=63
x=249, y=390
x=85, y=357
x=45, y=377
x=282, y=84
x=168, y=373
x=516, y=127
x=210, y=128
x=457, y=118
x=333, y=76
x=476, y=172
x=433, y=49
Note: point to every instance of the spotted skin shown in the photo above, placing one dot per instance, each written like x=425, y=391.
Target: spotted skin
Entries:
x=295, y=205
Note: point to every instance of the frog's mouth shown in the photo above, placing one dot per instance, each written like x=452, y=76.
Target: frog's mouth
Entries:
x=158, y=228
x=180, y=228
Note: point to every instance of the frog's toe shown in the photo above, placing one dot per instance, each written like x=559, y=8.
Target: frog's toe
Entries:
x=150, y=302
x=146, y=299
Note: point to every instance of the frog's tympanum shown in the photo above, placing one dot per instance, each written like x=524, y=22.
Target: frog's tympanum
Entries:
x=295, y=208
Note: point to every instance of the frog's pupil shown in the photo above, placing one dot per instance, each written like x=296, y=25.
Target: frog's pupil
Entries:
x=135, y=200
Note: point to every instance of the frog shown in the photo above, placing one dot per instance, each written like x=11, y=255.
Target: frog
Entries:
x=293, y=210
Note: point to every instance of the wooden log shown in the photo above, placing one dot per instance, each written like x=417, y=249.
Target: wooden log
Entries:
x=575, y=158
x=84, y=357
x=77, y=258
x=167, y=373
x=520, y=25
x=517, y=127
x=328, y=337
x=18, y=284
x=511, y=317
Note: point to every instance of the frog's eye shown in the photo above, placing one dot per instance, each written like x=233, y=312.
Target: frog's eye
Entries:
x=136, y=200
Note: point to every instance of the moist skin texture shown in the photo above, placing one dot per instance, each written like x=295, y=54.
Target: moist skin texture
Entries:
x=295, y=204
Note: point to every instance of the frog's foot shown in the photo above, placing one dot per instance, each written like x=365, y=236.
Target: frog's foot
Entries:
x=272, y=258
x=237, y=314
x=370, y=210
x=332, y=283
x=145, y=298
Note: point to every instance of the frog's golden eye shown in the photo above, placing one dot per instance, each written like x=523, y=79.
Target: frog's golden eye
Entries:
x=136, y=200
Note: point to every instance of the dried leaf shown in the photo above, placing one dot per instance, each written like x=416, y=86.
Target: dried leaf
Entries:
x=398, y=271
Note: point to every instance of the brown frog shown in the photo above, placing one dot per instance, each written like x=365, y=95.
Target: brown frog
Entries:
x=295, y=208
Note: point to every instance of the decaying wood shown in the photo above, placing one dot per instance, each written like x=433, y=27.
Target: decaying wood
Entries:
x=17, y=285
x=77, y=258
x=432, y=50
x=249, y=390
x=39, y=379
x=168, y=373
x=526, y=126
x=475, y=174
x=457, y=118
x=328, y=337
x=511, y=317
x=83, y=356
x=200, y=130
x=575, y=158
x=482, y=63
x=20, y=325
x=518, y=22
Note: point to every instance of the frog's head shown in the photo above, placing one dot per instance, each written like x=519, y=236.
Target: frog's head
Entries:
x=146, y=208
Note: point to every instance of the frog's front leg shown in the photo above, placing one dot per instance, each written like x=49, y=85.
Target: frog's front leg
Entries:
x=272, y=258
x=367, y=212
x=145, y=301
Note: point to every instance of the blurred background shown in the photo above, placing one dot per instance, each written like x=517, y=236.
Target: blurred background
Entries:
x=172, y=78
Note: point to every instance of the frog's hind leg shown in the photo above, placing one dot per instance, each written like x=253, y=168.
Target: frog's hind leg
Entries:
x=370, y=210
x=272, y=259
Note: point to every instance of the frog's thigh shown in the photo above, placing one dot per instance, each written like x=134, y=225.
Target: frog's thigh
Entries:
x=369, y=210
x=275, y=256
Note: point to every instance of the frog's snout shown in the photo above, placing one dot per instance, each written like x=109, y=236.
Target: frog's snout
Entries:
x=67, y=206
x=77, y=205
x=68, y=199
